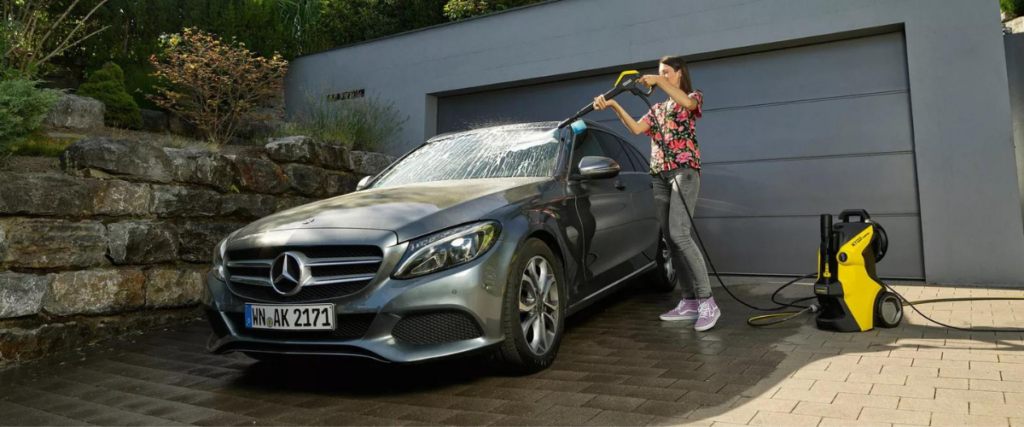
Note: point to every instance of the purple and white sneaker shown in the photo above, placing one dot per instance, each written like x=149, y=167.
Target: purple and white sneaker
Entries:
x=707, y=314
x=686, y=310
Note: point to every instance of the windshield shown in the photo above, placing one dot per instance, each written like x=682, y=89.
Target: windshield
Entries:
x=502, y=153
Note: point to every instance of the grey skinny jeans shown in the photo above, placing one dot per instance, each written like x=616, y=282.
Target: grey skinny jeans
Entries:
x=691, y=273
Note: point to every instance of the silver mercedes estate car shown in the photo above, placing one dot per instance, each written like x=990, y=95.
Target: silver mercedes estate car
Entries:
x=477, y=241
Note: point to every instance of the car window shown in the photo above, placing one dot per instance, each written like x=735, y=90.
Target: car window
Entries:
x=502, y=153
x=639, y=159
x=589, y=147
x=613, y=149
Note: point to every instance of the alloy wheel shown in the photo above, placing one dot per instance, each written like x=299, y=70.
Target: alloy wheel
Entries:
x=539, y=305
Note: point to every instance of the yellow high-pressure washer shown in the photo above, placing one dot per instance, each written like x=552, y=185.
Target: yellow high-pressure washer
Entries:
x=850, y=295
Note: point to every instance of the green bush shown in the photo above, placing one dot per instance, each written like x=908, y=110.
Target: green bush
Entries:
x=107, y=86
x=1012, y=7
x=23, y=106
x=365, y=124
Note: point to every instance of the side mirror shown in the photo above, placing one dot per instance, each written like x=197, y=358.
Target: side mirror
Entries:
x=595, y=167
x=362, y=183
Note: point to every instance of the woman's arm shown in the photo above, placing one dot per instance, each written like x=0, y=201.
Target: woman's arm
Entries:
x=675, y=93
x=636, y=127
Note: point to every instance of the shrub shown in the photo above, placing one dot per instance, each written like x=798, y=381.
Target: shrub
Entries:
x=1012, y=7
x=23, y=106
x=107, y=86
x=365, y=124
x=214, y=84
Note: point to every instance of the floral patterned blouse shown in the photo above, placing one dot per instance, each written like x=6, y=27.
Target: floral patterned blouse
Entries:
x=674, y=138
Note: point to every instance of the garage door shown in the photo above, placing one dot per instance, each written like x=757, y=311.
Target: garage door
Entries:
x=786, y=136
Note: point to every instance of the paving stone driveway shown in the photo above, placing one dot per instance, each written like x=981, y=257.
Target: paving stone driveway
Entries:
x=618, y=365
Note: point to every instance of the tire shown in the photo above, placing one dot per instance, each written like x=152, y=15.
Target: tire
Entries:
x=888, y=310
x=662, y=278
x=526, y=352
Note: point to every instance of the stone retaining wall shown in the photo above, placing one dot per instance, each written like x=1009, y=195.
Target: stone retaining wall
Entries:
x=121, y=240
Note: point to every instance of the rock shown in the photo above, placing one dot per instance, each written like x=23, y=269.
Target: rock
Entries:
x=293, y=149
x=367, y=163
x=121, y=198
x=248, y=205
x=179, y=126
x=43, y=194
x=47, y=243
x=286, y=203
x=259, y=175
x=338, y=184
x=305, y=150
x=22, y=294
x=202, y=167
x=173, y=287
x=173, y=201
x=95, y=292
x=3, y=241
x=154, y=121
x=197, y=239
x=334, y=156
x=142, y=242
x=73, y=111
x=123, y=158
x=305, y=180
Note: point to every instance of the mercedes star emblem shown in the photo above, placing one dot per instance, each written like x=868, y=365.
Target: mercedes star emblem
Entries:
x=286, y=274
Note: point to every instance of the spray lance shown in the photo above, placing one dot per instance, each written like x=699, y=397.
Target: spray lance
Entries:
x=628, y=82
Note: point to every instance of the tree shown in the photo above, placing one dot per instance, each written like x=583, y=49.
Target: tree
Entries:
x=42, y=30
x=214, y=84
x=107, y=86
x=460, y=9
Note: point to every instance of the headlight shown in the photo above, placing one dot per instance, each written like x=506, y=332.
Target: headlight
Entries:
x=218, y=260
x=447, y=249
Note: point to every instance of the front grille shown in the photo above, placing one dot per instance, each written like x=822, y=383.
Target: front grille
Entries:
x=308, y=251
x=353, y=266
x=436, y=328
x=307, y=294
x=348, y=326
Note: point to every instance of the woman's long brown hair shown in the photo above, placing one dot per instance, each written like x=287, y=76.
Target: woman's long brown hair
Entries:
x=677, y=63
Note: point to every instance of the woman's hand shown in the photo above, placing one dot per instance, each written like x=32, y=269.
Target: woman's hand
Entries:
x=651, y=80
x=600, y=103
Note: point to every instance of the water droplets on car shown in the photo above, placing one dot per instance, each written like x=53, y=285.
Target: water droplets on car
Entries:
x=489, y=153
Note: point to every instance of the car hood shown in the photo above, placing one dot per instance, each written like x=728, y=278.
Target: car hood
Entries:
x=410, y=211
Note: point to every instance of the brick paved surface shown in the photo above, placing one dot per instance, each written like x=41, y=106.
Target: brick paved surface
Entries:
x=618, y=365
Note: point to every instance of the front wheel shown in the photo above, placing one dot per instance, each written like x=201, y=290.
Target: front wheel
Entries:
x=533, y=312
x=663, y=278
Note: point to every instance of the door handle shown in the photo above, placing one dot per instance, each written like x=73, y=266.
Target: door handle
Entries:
x=620, y=185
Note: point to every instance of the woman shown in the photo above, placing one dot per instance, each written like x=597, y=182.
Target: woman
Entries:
x=675, y=164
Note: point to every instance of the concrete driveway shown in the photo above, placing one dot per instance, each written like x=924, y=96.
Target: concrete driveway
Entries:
x=619, y=365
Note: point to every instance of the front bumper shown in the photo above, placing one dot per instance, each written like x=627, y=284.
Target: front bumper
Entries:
x=389, y=320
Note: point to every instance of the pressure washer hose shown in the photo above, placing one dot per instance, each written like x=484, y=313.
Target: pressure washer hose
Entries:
x=782, y=317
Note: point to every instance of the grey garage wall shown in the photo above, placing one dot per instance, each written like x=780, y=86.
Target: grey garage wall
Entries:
x=969, y=203
x=786, y=135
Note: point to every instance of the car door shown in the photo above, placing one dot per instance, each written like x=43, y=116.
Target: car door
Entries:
x=606, y=214
x=643, y=201
x=637, y=182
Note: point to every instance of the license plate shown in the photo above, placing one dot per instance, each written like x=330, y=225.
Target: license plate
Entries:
x=308, y=317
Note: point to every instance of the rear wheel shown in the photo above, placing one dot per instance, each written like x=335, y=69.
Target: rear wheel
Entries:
x=533, y=312
x=663, y=277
